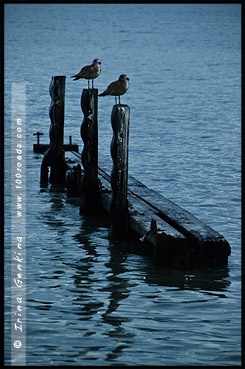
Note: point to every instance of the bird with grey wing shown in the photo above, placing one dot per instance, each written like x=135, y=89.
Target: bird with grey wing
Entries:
x=89, y=72
x=117, y=88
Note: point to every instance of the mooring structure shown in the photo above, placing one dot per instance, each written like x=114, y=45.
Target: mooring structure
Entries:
x=173, y=236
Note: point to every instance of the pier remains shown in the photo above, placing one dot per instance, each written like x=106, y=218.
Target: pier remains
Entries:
x=160, y=228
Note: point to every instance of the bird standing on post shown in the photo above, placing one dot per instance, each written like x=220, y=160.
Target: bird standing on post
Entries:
x=89, y=72
x=117, y=88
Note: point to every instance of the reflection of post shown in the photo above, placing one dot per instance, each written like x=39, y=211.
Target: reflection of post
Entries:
x=119, y=175
x=89, y=133
x=54, y=156
x=119, y=288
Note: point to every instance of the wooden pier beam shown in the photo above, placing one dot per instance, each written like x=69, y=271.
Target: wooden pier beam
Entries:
x=119, y=174
x=54, y=156
x=89, y=190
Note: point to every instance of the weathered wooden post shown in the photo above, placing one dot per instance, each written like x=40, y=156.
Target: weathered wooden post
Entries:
x=89, y=191
x=54, y=156
x=119, y=175
x=73, y=180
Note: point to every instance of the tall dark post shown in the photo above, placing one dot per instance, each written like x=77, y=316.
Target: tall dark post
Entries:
x=89, y=192
x=119, y=176
x=54, y=156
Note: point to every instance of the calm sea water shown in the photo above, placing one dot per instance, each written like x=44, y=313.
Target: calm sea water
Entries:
x=89, y=301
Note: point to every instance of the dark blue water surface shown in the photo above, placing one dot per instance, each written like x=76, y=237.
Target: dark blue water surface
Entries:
x=89, y=301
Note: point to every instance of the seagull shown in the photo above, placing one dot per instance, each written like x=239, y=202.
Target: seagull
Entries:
x=117, y=88
x=88, y=72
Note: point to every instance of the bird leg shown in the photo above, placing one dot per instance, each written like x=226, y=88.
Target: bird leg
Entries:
x=115, y=100
x=92, y=83
x=119, y=100
x=88, y=84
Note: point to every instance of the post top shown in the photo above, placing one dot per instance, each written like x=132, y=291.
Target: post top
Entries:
x=90, y=89
x=58, y=76
x=120, y=107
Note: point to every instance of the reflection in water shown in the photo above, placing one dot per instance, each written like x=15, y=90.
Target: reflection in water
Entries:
x=90, y=290
x=119, y=289
x=84, y=277
x=118, y=285
x=99, y=296
x=211, y=281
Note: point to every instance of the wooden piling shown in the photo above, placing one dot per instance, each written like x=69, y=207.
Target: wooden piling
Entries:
x=73, y=180
x=89, y=190
x=54, y=156
x=119, y=174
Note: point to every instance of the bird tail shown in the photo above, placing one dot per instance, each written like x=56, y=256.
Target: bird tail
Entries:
x=76, y=78
x=102, y=94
